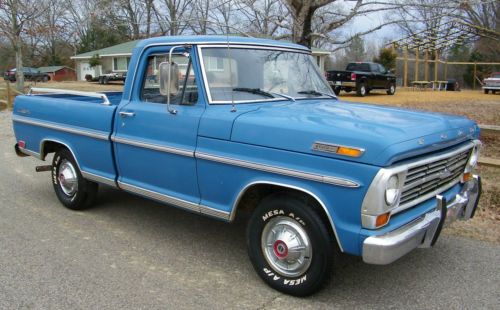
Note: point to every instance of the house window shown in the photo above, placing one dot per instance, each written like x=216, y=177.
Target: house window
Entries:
x=120, y=63
x=215, y=64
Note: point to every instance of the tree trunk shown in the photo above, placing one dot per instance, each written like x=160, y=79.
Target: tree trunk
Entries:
x=19, y=67
x=302, y=12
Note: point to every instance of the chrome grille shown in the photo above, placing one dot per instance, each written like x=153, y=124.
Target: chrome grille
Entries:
x=427, y=178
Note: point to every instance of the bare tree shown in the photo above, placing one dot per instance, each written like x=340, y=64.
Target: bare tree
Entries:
x=14, y=15
x=172, y=16
x=484, y=14
x=264, y=17
x=133, y=11
x=316, y=19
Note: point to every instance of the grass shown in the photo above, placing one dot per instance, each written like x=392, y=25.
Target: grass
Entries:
x=483, y=108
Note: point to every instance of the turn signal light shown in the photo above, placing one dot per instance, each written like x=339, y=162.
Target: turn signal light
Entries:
x=382, y=219
x=467, y=176
x=347, y=151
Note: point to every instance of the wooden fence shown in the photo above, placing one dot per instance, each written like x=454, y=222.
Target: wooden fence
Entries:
x=10, y=93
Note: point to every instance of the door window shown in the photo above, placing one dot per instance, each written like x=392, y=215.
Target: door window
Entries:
x=188, y=91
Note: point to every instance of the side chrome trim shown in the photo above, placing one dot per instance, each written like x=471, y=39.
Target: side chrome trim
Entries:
x=98, y=178
x=74, y=130
x=30, y=153
x=86, y=175
x=214, y=212
x=279, y=170
x=151, y=146
x=103, y=97
x=197, y=208
x=248, y=186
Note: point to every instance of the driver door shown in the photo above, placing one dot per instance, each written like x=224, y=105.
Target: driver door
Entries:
x=154, y=146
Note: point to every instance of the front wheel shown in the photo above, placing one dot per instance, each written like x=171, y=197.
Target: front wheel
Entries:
x=361, y=90
x=392, y=89
x=72, y=190
x=290, y=245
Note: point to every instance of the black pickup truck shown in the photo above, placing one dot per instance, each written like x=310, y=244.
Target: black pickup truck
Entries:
x=362, y=77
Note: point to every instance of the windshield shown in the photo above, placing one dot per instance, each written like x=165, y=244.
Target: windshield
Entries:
x=248, y=75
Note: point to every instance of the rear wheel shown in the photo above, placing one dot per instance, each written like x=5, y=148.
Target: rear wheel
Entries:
x=486, y=91
x=72, y=190
x=45, y=79
x=361, y=90
x=336, y=90
x=289, y=245
x=392, y=89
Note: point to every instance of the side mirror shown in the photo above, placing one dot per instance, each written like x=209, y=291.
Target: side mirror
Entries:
x=169, y=79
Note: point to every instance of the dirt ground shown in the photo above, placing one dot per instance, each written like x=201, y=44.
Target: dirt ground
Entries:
x=483, y=108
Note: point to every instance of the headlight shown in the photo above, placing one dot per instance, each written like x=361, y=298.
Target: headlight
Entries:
x=474, y=157
x=392, y=190
x=471, y=164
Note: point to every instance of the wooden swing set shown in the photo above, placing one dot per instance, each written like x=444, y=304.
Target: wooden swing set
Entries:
x=433, y=41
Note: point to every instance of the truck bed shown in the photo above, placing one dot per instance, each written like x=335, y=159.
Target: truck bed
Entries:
x=82, y=123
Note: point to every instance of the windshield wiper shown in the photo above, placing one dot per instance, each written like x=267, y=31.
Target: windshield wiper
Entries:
x=315, y=93
x=259, y=91
x=256, y=91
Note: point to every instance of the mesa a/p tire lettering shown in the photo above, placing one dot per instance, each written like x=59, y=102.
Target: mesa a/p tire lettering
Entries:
x=289, y=245
x=284, y=280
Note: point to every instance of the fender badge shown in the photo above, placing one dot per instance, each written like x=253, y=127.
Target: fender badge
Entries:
x=421, y=141
x=444, y=136
x=338, y=149
x=460, y=132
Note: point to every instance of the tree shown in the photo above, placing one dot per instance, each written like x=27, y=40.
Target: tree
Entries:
x=316, y=19
x=356, y=50
x=14, y=16
x=387, y=58
x=94, y=61
x=263, y=17
x=174, y=16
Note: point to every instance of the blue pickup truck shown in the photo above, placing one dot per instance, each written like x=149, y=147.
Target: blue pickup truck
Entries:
x=222, y=126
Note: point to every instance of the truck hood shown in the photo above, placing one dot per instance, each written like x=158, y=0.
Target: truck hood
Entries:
x=386, y=134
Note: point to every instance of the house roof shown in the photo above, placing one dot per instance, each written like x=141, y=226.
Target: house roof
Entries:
x=125, y=49
x=51, y=69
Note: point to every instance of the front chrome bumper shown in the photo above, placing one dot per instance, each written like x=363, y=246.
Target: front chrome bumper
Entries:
x=424, y=231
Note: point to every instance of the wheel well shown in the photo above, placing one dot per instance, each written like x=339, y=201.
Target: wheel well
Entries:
x=254, y=194
x=50, y=147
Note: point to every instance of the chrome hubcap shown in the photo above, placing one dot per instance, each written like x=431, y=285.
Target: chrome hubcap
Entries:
x=68, y=179
x=286, y=246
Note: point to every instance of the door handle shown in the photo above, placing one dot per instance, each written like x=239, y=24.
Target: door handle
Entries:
x=126, y=114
